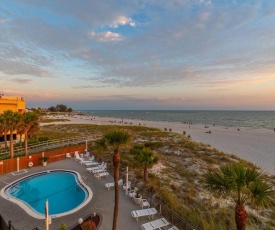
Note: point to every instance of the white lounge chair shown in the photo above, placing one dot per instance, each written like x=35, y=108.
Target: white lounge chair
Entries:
x=112, y=184
x=68, y=155
x=87, y=154
x=156, y=224
x=144, y=204
x=99, y=170
x=90, y=169
x=150, y=212
x=77, y=157
x=91, y=164
x=99, y=175
x=173, y=228
x=83, y=161
x=129, y=185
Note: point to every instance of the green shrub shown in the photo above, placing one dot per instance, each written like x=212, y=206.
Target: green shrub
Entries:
x=153, y=145
x=63, y=227
x=43, y=138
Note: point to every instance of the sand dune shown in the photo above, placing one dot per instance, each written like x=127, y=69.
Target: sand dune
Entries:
x=256, y=146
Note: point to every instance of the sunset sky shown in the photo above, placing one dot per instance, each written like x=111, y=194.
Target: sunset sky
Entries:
x=139, y=54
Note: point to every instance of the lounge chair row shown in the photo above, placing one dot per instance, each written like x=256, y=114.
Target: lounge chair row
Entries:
x=99, y=170
x=155, y=224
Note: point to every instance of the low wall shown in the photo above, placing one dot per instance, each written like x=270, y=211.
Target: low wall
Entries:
x=11, y=165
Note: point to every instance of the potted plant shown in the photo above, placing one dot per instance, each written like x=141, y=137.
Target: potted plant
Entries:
x=137, y=197
x=44, y=160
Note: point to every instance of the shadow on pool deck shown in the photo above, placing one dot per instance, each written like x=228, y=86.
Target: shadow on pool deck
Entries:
x=102, y=203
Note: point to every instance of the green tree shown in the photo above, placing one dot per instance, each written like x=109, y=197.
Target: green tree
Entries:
x=20, y=130
x=116, y=139
x=61, y=108
x=31, y=126
x=243, y=186
x=52, y=109
x=100, y=146
x=12, y=120
x=4, y=128
x=145, y=157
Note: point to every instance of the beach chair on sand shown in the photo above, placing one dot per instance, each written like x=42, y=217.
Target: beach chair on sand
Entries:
x=150, y=212
x=156, y=224
x=112, y=184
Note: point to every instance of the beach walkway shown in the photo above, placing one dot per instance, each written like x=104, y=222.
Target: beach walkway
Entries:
x=102, y=203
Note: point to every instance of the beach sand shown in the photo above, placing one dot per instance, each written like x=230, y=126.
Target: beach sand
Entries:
x=256, y=146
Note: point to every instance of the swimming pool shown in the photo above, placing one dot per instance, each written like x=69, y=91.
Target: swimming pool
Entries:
x=64, y=190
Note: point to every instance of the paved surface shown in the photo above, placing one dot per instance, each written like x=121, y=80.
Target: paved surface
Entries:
x=102, y=203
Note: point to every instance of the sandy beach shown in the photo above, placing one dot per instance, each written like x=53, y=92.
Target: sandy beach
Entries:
x=256, y=146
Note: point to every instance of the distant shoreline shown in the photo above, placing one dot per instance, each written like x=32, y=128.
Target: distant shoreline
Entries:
x=254, y=145
x=223, y=118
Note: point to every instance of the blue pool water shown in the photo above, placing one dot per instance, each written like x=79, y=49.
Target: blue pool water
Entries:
x=60, y=188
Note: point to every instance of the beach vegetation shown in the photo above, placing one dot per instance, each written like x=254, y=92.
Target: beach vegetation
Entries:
x=243, y=185
x=51, y=120
x=145, y=158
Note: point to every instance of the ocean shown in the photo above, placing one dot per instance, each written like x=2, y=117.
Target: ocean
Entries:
x=238, y=119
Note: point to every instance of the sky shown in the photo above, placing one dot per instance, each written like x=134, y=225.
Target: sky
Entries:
x=139, y=54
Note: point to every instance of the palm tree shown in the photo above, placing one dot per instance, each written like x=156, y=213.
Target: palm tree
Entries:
x=20, y=128
x=116, y=139
x=145, y=157
x=4, y=128
x=12, y=120
x=243, y=185
x=100, y=146
x=31, y=126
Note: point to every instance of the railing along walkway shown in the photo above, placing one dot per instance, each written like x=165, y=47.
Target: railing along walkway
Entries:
x=50, y=144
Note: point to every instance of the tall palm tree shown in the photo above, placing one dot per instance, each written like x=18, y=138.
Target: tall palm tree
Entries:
x=12, y=120
x=116, y=139
x=31, y=126
x=243, y=185
x=20, y=130
x=4, y=128
x=145, y=157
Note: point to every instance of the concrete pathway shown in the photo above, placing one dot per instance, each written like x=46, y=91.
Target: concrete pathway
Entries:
x=101, y=203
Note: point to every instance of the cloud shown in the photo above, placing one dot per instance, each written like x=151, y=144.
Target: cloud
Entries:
x=13, y=67
x=122, y=20
x=3, y=21
x=177, y=42
x=29, y=95
x=21, y=80
x=105, y=36
x=172, y=99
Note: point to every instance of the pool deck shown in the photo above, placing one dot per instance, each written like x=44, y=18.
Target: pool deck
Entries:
x=101, y=203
